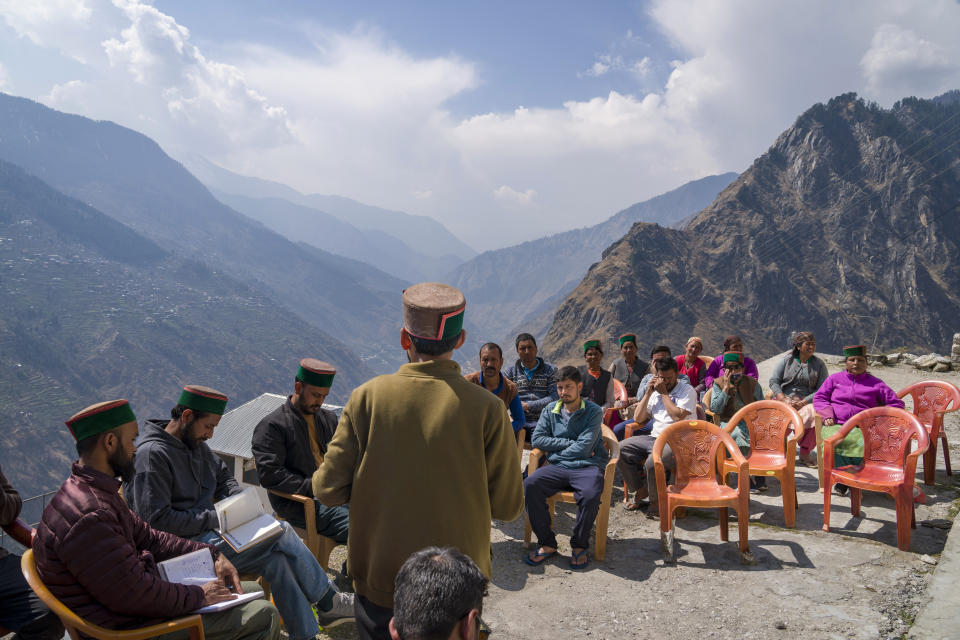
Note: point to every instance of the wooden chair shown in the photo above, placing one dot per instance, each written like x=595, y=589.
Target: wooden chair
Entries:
x=603, y=516
x=888, y=464
x=695, y=445
x=320, y=546
x=75, y=625
x=775, y=428
x=931, y=400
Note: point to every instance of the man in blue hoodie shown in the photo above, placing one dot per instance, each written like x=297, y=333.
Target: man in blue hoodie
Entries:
x=178, y=479
x=568, y=432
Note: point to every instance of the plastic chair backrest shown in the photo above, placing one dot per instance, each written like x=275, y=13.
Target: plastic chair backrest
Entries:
x=619, y=391
x=931, y=397
x=886, y=436
x=695, y=444
x=74, y=623
x=769, y=423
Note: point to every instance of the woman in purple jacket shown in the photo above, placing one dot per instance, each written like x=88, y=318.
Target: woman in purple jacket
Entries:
x=843, y=395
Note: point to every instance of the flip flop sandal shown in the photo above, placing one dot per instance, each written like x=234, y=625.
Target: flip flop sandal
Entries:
x=543, y=558
x=576, y=556
x=631, y=506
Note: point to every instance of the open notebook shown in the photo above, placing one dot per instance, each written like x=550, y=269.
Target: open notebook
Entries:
x=243, y=522
x=196, y=568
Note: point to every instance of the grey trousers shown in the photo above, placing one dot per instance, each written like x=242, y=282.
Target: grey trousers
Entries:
x=254, y=620
x=635, y=463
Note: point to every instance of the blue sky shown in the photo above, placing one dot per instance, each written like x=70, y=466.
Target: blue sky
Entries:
x=521, y=118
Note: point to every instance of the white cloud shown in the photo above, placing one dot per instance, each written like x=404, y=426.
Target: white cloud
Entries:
x=359, y=116
x=511, y=195
x=3, y=76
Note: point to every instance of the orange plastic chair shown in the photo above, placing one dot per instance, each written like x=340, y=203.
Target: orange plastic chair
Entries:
x=888, y=464
x=320, y=546
x=695, y=445
x=931, y=400
x=774, y=429
x=75, y=625
x=603, y=516
x=619, y=393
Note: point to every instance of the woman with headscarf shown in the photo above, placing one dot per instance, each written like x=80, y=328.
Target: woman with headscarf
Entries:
x=715, y=370
x=794, y=381
x=690, y=365
x=845, y=394
x=628, y=368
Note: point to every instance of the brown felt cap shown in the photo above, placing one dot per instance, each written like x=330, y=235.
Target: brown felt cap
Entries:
x=433, y=310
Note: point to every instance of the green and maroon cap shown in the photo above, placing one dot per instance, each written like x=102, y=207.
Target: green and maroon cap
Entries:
x=732, y=357
x=855, y=350
x=628, y=337
x=433, y=311
x=592, y=343
x=100, y=417
x=316, y=373
x=203, y=399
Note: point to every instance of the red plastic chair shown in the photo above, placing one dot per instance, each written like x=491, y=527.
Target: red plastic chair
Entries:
x=695, y=445
x=888, y=464
x=932, y=399
x=774, y=429
x=619, y=393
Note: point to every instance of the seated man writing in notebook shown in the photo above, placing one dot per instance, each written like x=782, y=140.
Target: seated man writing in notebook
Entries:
x=100, y=560
x=178, y=479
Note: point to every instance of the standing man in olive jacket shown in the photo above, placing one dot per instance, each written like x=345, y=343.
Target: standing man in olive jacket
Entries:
x=289, y=444
x=423, y=456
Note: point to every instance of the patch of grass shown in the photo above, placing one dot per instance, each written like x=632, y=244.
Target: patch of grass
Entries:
x=954, y=509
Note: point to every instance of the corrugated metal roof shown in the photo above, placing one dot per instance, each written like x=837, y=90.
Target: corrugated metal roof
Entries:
x=233, y=435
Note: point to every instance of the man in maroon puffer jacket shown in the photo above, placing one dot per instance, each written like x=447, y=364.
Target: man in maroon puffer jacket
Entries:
x=99, y=558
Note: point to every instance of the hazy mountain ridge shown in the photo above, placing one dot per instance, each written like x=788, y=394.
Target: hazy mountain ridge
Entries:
x=127, y=176
x=422, y=234
x=106, y=313
x=846, y=226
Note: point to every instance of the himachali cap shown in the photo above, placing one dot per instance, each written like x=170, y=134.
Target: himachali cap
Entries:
x=433, y=311
x=592, y=344
x=628, y=337
x=732, y=357
x=857, y=350
x=203, y=399
x=100, y=417
x=316, y=373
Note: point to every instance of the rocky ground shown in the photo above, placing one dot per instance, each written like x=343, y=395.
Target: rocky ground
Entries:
x=850, y=583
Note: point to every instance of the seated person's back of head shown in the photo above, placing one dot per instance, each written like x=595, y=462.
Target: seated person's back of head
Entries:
x=438, y=594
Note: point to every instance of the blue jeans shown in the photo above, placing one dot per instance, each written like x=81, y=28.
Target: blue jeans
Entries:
x=296, y=578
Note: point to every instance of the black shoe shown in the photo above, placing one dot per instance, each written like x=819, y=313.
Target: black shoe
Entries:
x=842, y=489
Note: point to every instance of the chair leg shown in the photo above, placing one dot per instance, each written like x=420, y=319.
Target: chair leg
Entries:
x=527, y=531
x=667, y=542
x=603, y=519
x=724, y=523
x=856, y=495
x=946, y=453
x=826, y=506
x=787, y=491
x=904, y=502
x=743, y=523
x=819, y=434
x=930, y=464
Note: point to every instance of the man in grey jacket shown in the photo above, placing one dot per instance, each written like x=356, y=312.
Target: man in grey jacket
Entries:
x=178, y=479
x=536, y=379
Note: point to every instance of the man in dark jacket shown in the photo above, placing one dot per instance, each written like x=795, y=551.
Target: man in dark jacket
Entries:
x=569, y=433
x=178, y=479
x=289, y=444
x=536, y=379
x=20, y=609
x=100, y=560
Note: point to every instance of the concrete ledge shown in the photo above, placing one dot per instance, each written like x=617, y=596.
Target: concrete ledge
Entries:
x=939, y=618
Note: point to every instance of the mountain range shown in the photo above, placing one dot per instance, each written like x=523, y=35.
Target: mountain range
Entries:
x=846, y=226
x=92, y=310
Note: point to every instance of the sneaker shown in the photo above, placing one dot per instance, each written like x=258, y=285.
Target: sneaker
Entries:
x=341, y=611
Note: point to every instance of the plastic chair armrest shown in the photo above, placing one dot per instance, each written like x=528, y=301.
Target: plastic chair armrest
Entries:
x=193, y=623
x=533, y=461
x=21, y=532
x=309, y=509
